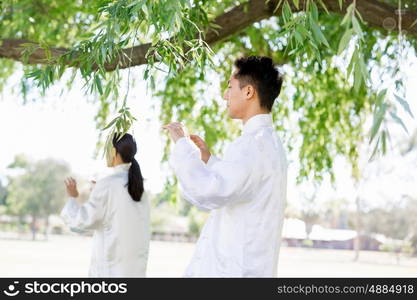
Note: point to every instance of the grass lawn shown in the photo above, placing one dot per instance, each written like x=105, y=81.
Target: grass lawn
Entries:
x=68, y=256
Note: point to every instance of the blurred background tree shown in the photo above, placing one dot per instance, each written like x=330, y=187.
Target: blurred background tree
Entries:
x=37, y=191
x=3, y=193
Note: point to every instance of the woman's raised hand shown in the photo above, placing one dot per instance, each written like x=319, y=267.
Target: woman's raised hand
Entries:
x=71, y=186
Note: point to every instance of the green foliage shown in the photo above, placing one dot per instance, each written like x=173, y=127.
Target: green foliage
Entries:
x=302, y=31
x=328, y=58
x=331, y=120
x=186, y=95
x=119, y=126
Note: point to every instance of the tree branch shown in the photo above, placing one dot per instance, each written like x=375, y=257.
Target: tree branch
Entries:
x=375, y=13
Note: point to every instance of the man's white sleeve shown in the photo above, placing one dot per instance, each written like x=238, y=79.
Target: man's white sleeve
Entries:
x=212, y=161
x=215, y=185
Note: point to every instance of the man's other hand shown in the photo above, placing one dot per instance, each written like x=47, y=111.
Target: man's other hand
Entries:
x=205, y=153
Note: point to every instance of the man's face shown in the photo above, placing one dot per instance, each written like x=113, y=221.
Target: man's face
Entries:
x=236, y=98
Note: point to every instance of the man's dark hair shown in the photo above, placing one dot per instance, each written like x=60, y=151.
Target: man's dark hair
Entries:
x=260, y=72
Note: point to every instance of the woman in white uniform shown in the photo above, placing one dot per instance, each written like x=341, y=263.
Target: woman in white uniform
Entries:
x=118, y=214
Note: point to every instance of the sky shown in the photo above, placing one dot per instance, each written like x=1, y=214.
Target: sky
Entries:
x=62, y=126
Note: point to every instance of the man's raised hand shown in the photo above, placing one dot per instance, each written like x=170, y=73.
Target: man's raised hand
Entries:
x=176, y=131
x=199, y=142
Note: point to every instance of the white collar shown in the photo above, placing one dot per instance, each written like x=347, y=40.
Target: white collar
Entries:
x=256, y=122
x=121, y=168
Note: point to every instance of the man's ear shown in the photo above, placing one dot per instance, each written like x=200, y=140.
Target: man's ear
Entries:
x=249, y=91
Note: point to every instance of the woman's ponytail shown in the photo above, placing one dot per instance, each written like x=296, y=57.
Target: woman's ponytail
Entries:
x=126, y=147
x=135, y=181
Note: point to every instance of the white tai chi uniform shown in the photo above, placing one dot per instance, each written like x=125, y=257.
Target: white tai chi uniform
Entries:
x=245, y=193
x=121, y=226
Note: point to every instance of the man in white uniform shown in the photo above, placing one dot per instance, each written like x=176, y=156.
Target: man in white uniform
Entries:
x=245, y=191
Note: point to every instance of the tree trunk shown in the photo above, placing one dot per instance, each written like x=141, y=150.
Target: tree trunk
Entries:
x=374, y=13
x=357, y=241
x=46, y=227
x=34, y=227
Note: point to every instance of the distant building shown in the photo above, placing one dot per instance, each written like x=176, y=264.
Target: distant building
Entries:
x=294, y=235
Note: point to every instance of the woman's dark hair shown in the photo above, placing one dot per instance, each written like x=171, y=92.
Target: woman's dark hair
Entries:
x=126, y=147
x=261, y=72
